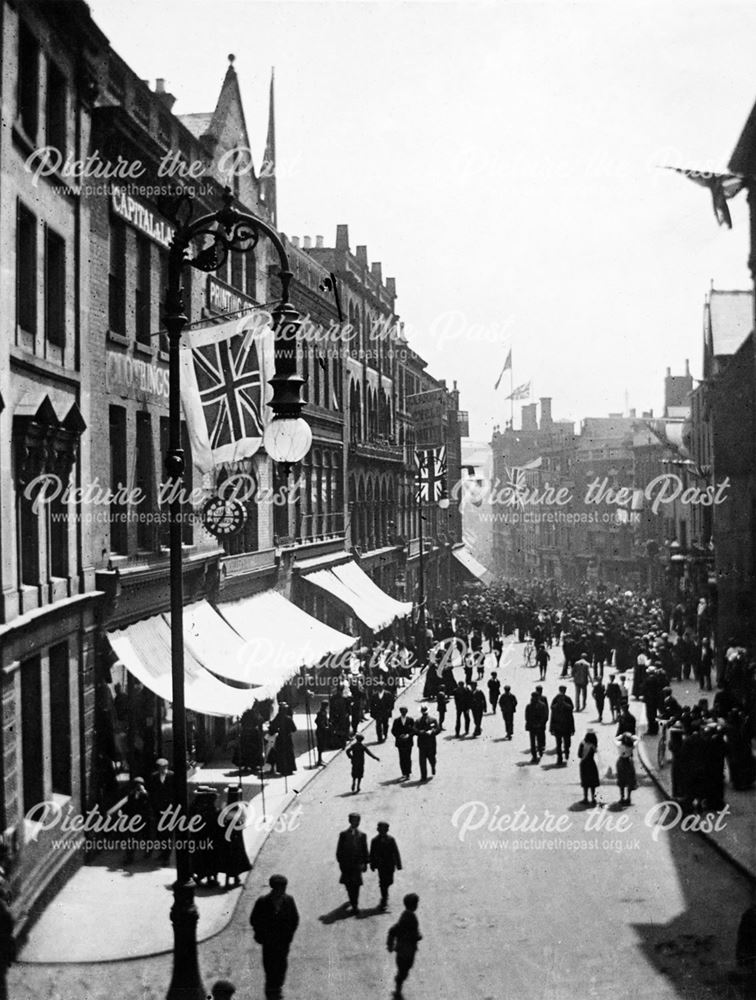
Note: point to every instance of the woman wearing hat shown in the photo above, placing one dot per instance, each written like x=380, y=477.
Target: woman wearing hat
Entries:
x=626, y=779
x=233, y=854
x=589, y=776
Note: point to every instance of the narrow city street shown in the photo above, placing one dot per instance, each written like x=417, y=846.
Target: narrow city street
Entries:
x=542, y=914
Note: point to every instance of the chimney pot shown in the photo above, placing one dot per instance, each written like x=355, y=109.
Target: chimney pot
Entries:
x=160, y=85
x=307, y=243
x=295, y=241
x=669, y=373
x=319, y=242
x=687, y=366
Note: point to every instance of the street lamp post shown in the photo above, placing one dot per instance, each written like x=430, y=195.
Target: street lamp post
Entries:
x=287, y=440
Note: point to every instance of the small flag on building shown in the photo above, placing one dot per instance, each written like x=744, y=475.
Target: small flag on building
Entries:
x=722, y=187
x=507, y=367
x=521, y=392
x=224, y=388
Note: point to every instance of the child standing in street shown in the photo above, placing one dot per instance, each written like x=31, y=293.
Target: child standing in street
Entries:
x=356, y=753
x=403, y=939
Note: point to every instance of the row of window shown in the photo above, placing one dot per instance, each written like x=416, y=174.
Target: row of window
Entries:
x=134, y=262
x=133, y=466
x=28, y=94
x=53, y=273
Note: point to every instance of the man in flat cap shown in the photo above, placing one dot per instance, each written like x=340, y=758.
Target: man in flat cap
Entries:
x=161, y=791
x=352, y=856
x=274, y=921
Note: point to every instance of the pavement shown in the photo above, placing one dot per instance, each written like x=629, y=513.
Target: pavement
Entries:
x=82, y=925
x=734, y=834
x=560, y=903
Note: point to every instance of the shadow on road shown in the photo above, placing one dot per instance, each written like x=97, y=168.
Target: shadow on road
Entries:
x=340, y=913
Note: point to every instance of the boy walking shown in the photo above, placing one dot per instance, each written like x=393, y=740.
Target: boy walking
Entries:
x=403, y=939
x=356, y=753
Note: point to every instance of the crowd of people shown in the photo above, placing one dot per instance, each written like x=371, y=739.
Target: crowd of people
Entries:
x=620, y=648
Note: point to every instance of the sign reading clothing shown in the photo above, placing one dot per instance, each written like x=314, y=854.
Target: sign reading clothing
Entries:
x=141, y=217
x=134, y=378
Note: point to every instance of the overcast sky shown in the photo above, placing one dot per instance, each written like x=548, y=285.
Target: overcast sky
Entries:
x=500, y=160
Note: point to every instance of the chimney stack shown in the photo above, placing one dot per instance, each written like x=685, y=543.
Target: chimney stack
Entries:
x=546, y=421
x=687, y=367
x=632, y=413
x=528, y=417
x=160, y=85
x=295, y=242
x=391, y=287
x=342, y=237
x=669, y=373
x=318, y=242
x=307, y=243
x=361, y=254
x=377, y=271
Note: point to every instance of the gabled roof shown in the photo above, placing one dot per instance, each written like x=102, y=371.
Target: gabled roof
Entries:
x=197, y=124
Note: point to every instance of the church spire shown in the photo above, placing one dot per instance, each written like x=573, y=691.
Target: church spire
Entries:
x=268, y=169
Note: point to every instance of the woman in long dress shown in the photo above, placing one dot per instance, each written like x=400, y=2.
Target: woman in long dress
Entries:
x=282, y=728
x=589, y=776
x=233, y=854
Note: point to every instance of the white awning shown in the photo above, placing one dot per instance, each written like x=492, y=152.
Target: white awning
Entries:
x=145, y=650
x=354, y=587
x=279, y=638
x=465, y=557
x=214, y=643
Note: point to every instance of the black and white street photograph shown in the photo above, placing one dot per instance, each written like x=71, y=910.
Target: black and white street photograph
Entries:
x=377, y=500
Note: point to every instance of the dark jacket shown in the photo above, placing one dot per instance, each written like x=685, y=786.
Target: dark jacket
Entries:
x=536, y=715
x=271, y=926
x=403, y=731
x=404, y=936
x=384, y=854
x=161, y=793
x=562, y=719
x=508, y=704
x=352, y=855
x=478, y=702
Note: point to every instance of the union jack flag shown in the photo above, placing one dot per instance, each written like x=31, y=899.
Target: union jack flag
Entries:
x=431, y=474
x=225, y=370
x=230, y=388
